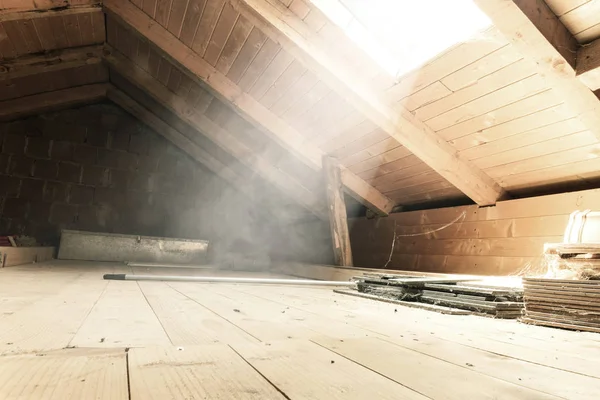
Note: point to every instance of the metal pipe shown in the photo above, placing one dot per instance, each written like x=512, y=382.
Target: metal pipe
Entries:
x=216, y=279
x=160, y=265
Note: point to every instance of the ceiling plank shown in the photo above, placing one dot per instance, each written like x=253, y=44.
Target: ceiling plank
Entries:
x=540, y=37
x=203, y=73
x=588, y=65
x=52, y=61
x=13, y=15
x=50, y=101
x=177, y=138
x=178, y=106
x=296, y=37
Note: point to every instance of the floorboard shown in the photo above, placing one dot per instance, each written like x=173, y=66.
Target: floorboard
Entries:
x=67, y=333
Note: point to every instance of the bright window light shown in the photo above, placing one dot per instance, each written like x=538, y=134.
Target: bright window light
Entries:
x=401, y=35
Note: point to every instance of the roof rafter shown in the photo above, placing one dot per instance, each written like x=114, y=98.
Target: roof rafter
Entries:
x=57, y=60
x=50, y=101
x=293, y=33
x=203, y=73
x=541, y=37
x=177, y=105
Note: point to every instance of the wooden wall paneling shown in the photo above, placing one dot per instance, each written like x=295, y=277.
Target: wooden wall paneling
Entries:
x=206, y=26
x=527, y=138
x=15, y=37
x=73, y=30
x=270, y=74
x=383, y=152
x=331, y=103
x=362, y=136
x=423, y=189
x=236, y=40
x=472, y=73
x=283, y=84
x=413, y=167
x=30, y=35
x=163, y=8
x=57, y=27
x=557, y=175
x=265, y=55
x=583, y=21
x=529, y=105
x=174, y=80
x=306, y=102
x=149, y=7
x=559, y=144
x=444, y=64
x=429, y=94
x=98, y=28
x=164, y=69
x=7, y=49
x=489, y=102
x=443, y=194
x=560, y=7
x=253, y=44
x=191, y=21
x=176, y=15
x=221, y=33
x=336, y=129
x=502, y=172
x=506, y=76
x=326, y=126
x=387, y=168
x=397, y=188
x=529, y=122
x=296, y=92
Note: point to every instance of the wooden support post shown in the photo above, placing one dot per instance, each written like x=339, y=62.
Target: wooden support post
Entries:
x=338, y=221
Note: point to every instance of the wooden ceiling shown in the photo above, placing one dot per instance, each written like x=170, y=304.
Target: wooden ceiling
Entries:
x=275, y=85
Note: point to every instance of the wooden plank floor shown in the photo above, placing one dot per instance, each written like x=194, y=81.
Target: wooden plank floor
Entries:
x=67, y=334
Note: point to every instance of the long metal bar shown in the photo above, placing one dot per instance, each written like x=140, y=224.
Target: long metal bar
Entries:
x=164, y=265
x=217, y=279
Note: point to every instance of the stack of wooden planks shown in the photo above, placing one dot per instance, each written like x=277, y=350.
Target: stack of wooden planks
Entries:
x=569, y=304
x=573, y=260
x=445, y=295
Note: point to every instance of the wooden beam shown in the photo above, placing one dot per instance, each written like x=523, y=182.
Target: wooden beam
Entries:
x=52, y=61
x=297, y=38
x=338, y=221
x=51, y=101
x=222, y=138
x=246, y=106
x=27, y=12
x=588, y=65
x=534, y=30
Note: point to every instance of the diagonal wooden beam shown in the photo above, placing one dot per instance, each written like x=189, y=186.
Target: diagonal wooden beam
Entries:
x=41, y=11
x=51, y=101
x=295, y=36
x=222, y=138
x=541, y=37
x=205, y=74
x=57, y=60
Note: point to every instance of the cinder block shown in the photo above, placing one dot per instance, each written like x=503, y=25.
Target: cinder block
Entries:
x=69, y=172
x=14, y=143
x=32, y=189
x=62, y=151
x=38, y=147
x=85, y=155
x=45, y=169
x=80, y=194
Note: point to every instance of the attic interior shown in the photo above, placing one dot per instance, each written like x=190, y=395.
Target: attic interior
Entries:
x=299, y=199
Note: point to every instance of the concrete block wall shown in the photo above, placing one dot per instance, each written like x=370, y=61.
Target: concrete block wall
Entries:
x=97, y=168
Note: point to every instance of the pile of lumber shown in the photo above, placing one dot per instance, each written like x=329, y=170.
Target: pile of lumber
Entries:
x=442, y=294
x=573, y=260
x=569, y=304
